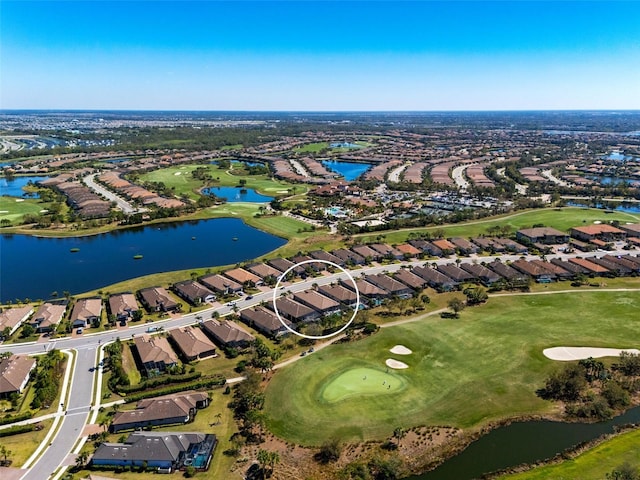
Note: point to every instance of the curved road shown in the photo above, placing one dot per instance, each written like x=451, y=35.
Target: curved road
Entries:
x=86, y=347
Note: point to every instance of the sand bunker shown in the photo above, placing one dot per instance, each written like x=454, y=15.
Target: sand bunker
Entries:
x=178, y=173
x=566, y=354
x=401, y=350
x=391, y=363
x=4, y=211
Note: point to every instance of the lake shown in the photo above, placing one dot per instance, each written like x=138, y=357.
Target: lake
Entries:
x=622, y=207
x=36, y=266
x=13, y=187
x=522, y=442
x=349, y=170
x=234, y=194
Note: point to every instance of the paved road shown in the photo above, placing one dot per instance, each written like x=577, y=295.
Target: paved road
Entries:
x=551, y=177
x=394, y=175
x=298, y=167
x=86, y=347
x=521, y=189
x=458, y=176
x=123, y=205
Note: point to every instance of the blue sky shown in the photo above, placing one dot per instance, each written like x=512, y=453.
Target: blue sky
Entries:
x=330, y=55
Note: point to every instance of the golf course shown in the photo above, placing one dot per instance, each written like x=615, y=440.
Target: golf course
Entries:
x=463, y=372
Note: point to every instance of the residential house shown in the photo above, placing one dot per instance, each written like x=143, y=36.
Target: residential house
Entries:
x=294, y=311
x=411, y=280
x=348, y=257
x=387, y=251
x=15, y=371
x=435, y=279
x=193, y=292
x=445, y=246
x=456, y=273
x=409, y=251
x=312, y=299
x=603, y=232
x=86, y=311
x=267, y=273
x=539, y=272
x=221, y=285
x=613, y=267
x=285, y=265
x=154, y=353
x=265, y=321
x=12, y=318
x=164, y=450
x=394, y=287
x=543, y=235
x=513, y=276
x=48, y=316
x=592, y=268
x=369, y=293
x=192, y=343
x=243, y=277
x=366, y=252
x=464, y=246
x=573, y=268
x=631, y=265
x=122, y=306
x=326, y=257
x=228, y=333
x=152, y=412
x=487, y=277
x=631, y=229
x=340, y=294
x=157, y=299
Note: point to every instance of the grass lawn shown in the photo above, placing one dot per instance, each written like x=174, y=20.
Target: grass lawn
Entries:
x=493, y=353
x=23, y=445
x=312, y=147
x=562, y=219
x=593, y=464
x=13, y=209
x=179, y=178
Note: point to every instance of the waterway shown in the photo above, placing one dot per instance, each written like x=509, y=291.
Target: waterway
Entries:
x=522, y=442
x=235, y=194
x=14, y=187
x=34, y=267
x=349, y=170
x=620, y=207
x=608, y=180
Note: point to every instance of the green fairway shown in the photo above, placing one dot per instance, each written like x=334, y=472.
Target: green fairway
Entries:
x=484, y=366
x=180, y=180
x=312, y=147
x=13, y=209
x=593, y=464
x=362, y=381
x=562, y=219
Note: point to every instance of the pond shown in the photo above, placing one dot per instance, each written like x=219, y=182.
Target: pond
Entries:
x=622, y=207
x=349, y=170
x=36, y=266
x=13, y=187
x=235, y=194
x=522, y=442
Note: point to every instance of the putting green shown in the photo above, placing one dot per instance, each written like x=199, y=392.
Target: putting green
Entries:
x=361, y=381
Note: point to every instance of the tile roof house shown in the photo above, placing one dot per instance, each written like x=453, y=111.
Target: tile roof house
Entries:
x=464, y=246
x=14, y=374
x=366, y=252
x=369, y=293
x=220, y=284
x=122, y=306
x=240, y=275
x=543, y=235
x=264, y=271
x=340, y=294
x=411, y=280
x=456, y=273
x=394, y=287
x=12, y=318
x=435, y=279
x=592, y=268
x=47, y=317
x=166, y=450
x=348, y=256
x=157, y=299
x=408, y=250
x=283, y=265
x=487, y=277
x=228, y=333
x=294, y=311
x=86, y=311
x=507, y=272
x=169, y=410
x=604, y=232
x=192, y=343
x=265, y=321
x=445, y=246
x=312, y=299
x=155, y=353
x=194, y=292
x=327, y=257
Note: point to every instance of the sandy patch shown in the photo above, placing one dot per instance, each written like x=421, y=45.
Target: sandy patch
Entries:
x=4, y=211
x=391, y=363
x=283, y=191
x=178, y=173
x=44, y=211
x=597, y=222
x=401, y=350
x=566, y=354
x=20, y=200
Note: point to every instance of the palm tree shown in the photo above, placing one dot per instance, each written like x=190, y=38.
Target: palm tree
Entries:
x=81, y=459
x=218, y=416
x=5, y=452
x=399, y=433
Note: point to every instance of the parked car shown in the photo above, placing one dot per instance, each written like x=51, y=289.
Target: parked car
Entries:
x=79, y=331
x=249, y=297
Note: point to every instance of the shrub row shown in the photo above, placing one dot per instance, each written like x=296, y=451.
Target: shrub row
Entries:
x=156, y=382
x=17, y=429
x=16, y=418
x=217, y=380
